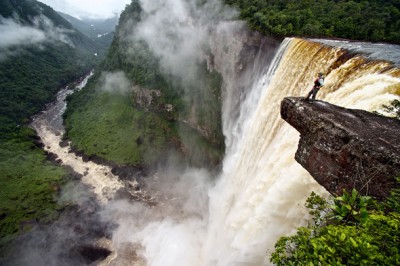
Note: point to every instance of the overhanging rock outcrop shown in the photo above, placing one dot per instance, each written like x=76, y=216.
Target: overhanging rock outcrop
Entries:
x=345, y=148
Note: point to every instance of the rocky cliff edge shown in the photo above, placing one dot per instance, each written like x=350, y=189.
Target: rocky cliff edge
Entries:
x=345, y=148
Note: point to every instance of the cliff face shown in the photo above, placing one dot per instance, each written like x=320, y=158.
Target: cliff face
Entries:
x=345, y=148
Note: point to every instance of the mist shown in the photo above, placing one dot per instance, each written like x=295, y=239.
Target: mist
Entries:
x=178, y=33
x=65, y=241
x=169, y=232
x=16, y=36
x=52, y=32
x=114, y=82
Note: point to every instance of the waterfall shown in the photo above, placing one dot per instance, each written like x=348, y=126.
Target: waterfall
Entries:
x=261, y=191
x=260, y=194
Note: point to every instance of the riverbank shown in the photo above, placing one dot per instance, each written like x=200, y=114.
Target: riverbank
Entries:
x=67, y=214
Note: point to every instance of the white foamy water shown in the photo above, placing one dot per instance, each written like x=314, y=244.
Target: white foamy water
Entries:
x=49, y=127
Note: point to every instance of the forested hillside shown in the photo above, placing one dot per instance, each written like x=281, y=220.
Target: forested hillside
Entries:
x=375, y=20
x=135, y=113
x=39, y=52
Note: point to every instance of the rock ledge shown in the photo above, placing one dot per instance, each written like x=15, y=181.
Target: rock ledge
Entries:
x=345, y=148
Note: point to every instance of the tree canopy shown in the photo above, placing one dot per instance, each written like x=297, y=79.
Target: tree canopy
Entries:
x=374, y=20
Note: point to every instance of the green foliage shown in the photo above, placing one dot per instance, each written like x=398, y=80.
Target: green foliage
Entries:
x=318, y=207
x=30, y=80
x=107, y=125
x=28, y=184
x=351, y=208
x=385, y=230
x=333, y=245
x=392, y=203
x=375, y=20
x=356, y=240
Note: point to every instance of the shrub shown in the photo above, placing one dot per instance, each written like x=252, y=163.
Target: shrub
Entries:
x=345, y=233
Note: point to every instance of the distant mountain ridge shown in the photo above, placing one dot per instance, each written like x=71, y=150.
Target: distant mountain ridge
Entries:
x=92, y=27
x=99, y=30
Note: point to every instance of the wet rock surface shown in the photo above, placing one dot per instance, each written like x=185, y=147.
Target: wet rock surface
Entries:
x=345, y=148
x=92, y=254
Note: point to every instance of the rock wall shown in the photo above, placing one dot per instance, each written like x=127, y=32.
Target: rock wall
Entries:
x=345, y=148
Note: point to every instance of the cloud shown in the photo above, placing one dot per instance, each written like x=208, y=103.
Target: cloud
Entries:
x=14, y=35
x=115, y=82
x=53, y=33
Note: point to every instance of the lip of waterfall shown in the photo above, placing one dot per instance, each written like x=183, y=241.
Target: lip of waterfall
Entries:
x=377, y=51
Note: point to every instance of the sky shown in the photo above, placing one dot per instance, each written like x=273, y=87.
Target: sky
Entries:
x=88, y=8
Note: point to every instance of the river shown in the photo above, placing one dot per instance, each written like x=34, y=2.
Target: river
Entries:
x=49, y=127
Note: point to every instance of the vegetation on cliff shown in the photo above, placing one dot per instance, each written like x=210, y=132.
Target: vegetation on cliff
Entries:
x=345, y=233
x=374, y=20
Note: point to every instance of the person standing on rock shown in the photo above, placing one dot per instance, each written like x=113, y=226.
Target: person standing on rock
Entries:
x=318, y=83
